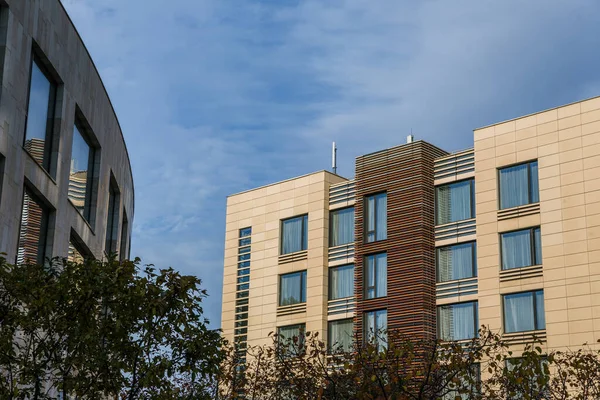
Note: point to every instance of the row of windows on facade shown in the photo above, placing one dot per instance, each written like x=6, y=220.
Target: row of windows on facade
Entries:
x=41, y=144
x=518, y=249
x=518, y=185
x=522, y=312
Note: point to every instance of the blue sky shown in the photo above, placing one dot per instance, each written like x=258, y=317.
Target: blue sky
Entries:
x=219, y=96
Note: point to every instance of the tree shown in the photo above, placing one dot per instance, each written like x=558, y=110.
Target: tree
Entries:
x=104, y=328
x=406, y=369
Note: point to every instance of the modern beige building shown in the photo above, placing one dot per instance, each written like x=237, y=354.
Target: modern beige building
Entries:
x=506, y=234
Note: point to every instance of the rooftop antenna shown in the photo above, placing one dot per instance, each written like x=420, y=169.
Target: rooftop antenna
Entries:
x=334, y=158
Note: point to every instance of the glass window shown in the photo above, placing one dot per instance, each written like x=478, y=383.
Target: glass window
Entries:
x=457, y=321
x=341, y=282
x=458, y=261
x=342, y=227
x=455, y=202
x=533, y=374
x=340, y=335
x=524, y=312
x=82, y=161
x=292, y=288
x=33, y=230
x=521, y=248
x=291, y=338
x=519, y=185
x=294, y=234
x=376, y=275
x=375, y=326
x=75, y=255
x=376, y=217
x=40, y=111
x=124, y=237
x=112, y=220
x=465, y=387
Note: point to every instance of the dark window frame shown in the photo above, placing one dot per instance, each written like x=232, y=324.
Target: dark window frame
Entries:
x=91, y=186
x=329, y=283
x=37, y=57
x=475, y=317
x=112, y=219
x=529, y=180
x=535, y=316
x=366, y=286
x=474, y=269
x=471, y=199
x=331, y=224
x=531, y=246
x=365, y=328
x=303, y=285
x=366, y=217
x=301, y=338
x=329, y=339
x=45, y=242
x=304, y=233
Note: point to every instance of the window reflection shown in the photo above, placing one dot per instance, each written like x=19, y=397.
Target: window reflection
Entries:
x=32, y=234
x=39, y=114
x=81, y=156
x=75, y=255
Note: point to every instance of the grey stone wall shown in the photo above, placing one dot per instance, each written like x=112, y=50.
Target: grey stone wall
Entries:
x=25, y=24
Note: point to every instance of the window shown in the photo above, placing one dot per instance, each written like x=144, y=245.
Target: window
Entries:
x=291, y=339
x=80, y=178
x=123, y=250
x=458, y=261
x=521, y=248
x=376, y=217
x=292, y=288
x=339, y=335
x=294, y=234
x=457, y=321
x=33, y=230
x=466, y=386
x=524, y=312
x=341, y=282
x=376, y=276
x=533, y=374
x=112, y=218
x=342, y=227
x=375, y=328
x=519, y=185
x=455, y=202
x=40, y=114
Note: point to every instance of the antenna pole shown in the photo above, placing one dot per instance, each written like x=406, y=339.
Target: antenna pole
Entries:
x=334, y=158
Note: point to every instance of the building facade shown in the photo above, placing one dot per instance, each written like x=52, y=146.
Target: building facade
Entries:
x=428, y=243
x=66, y=187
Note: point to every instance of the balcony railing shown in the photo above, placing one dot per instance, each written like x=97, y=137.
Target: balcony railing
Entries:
x=341, y=194
x=341, y=306
x=461, y=287
x=343, y=253
x=455, y=230
x=456, y=165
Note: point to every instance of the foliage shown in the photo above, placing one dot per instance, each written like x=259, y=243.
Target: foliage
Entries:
x=100, y=329
x=482, y=368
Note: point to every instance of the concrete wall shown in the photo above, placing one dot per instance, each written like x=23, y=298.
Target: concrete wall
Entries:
x=44, y=24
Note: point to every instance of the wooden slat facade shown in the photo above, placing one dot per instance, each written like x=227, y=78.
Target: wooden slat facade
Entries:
x=406, y=173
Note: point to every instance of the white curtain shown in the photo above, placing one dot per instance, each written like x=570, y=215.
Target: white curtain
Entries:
x=370, y=274
x=454, y=202
x=342, y=227
x=371, y=219
x=381, y=216
x=287, y=335
x=381, y=329
x=514, y=188
x=292, y=288
x=516, y=249
x=457, y=321
x=340, y=335
x=456, y=262
x=342, y=282
x=381, y=274
x=292, y=235
x=518, y=312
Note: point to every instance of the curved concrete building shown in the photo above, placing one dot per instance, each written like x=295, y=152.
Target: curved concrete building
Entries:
x=66, y=187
